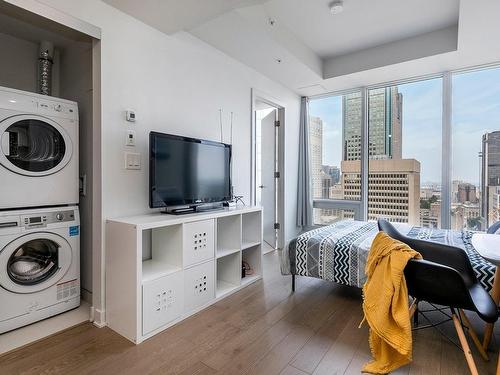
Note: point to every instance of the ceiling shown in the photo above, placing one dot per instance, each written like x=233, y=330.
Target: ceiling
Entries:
x=171, y=16
x=302, y=45
x=362, y=24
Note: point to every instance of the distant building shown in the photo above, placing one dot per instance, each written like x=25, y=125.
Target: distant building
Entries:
x=385, y=120
x=465, y=216
x=333, y=172
x=494, y=204
x=326, y=183
x=316, y=154
x=490, y=173
x=336, y=191
x=393, y=188
x=431, y=217
x=466, y=193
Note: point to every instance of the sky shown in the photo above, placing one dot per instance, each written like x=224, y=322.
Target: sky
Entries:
x=476, y=110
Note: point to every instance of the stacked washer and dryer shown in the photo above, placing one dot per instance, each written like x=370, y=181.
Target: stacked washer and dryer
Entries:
x=39, y=217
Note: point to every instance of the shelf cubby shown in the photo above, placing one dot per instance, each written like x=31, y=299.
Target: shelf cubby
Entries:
x=251, y=229
x=228, y=235
x=228, y=274
x=161, y=252
x=252, y=255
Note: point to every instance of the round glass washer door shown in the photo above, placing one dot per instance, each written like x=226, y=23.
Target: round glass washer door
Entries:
x=34, y=262
x=33, y=145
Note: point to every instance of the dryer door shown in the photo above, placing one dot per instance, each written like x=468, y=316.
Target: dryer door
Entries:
x=34, y=262
x=33, y=145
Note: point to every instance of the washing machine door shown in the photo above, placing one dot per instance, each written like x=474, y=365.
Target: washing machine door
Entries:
x=34, y=262
x=33, y=145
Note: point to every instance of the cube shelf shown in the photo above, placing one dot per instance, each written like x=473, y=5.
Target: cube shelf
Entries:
x=160, y=269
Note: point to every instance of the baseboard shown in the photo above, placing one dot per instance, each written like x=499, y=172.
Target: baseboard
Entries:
x=99, y=317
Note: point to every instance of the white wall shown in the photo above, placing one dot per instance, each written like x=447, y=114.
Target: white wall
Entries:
x=176, y=84
x=76, y=85
x=19, y=63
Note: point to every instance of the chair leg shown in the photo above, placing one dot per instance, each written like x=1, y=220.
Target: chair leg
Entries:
x=464, y=343
x=293, y=283
x=413, y=309
x=415, y=315
x=473, y=335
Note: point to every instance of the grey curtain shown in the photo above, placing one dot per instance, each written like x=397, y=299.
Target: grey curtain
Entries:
x=304, y=191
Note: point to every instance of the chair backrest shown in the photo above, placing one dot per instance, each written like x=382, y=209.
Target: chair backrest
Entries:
x=495, y=228
x=444, y=274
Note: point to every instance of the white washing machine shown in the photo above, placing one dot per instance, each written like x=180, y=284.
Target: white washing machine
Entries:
x=39, y=264
x=38, y=150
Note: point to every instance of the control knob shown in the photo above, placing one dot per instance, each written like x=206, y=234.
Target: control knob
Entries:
x=58, y=108
x=59, y=216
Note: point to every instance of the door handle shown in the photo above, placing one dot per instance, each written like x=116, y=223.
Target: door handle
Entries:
x=8, y=224
x=261, y=186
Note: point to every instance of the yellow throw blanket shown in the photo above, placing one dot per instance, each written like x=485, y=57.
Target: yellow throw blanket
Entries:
x=385, y=304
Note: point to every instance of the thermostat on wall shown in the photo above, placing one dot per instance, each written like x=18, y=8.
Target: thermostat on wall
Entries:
x=130, y=115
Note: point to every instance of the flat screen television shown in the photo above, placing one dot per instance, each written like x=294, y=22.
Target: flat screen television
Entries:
x=187, y=171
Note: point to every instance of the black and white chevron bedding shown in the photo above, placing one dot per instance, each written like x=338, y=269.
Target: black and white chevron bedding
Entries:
x=338, y=252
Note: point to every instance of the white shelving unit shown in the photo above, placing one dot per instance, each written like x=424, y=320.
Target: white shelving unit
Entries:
x=160, y=269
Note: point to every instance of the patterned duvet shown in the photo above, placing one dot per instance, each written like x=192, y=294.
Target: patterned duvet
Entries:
x=338, y=252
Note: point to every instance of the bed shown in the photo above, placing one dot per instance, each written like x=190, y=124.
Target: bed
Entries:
x=338, y=252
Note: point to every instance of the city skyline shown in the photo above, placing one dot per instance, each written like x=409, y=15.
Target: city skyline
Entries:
x=475, y=112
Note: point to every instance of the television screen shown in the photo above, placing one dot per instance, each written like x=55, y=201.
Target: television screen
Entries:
x=187, y=171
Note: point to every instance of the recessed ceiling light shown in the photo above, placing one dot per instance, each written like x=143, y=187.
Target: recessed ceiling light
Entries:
x=336, y=7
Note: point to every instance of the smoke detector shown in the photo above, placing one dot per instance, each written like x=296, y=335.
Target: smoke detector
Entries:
x=336, y=7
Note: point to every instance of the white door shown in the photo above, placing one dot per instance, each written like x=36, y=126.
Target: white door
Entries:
x=32, y=145
x=34, y=262
x=266, y=180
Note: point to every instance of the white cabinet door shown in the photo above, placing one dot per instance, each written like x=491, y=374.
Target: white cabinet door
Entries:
x=198, y=242
x=162, y=301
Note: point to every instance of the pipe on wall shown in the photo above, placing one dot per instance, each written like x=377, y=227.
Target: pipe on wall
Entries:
x=45, y=62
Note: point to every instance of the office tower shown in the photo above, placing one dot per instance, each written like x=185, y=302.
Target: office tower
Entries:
x=316, y=154
x=393, y=188
x=333, y=172
x=385, y=124
x=466, y=193
x=490, y=173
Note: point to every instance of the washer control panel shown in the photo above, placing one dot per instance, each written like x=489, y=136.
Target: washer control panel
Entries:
x=44, y=218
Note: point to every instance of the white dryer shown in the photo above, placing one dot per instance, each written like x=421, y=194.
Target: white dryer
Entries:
x=39, y=264
x=38, y=150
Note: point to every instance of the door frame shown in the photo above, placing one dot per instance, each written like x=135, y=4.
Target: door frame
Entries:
x=259, y=96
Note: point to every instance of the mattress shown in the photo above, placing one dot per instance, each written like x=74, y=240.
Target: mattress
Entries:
x=338, y=252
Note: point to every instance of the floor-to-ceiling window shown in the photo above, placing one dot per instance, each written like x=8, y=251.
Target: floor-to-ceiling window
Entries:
x=404, y=140
x=475, y=130
x=424, y=167
x=335, y=150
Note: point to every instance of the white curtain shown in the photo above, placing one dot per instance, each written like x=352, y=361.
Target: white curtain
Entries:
x=304, y=191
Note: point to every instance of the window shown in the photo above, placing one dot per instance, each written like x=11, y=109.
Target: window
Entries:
x=335, y=151
x=404, y=133
x=475, y=191
x=409, y=178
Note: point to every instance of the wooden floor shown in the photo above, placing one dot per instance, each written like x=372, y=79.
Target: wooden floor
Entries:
x=263, y=329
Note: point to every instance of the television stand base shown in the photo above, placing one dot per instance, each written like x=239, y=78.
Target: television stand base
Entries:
x=194, y=209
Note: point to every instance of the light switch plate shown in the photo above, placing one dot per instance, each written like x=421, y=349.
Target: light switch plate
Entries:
x=130, y=115
x=132, y=160
x=130, y=139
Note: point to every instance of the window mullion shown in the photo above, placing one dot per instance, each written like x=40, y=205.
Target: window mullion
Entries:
x=364, y=154
x=446, y=152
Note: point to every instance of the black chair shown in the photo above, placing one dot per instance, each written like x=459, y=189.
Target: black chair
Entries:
x=445, y=277
x=494, y=228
